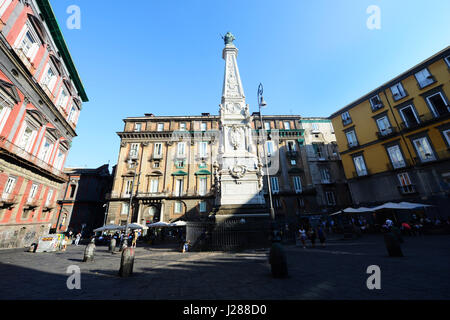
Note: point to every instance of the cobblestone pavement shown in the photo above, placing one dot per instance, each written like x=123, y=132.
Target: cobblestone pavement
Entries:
x=337, y=271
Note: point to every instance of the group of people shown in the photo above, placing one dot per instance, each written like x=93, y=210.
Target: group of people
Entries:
x=312, y=234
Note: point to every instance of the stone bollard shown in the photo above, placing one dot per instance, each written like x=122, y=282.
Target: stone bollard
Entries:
x=33, y=247
x=126, y=262
x=89, y=252
x=278, y=261
x=112, y=245
x=392, y=245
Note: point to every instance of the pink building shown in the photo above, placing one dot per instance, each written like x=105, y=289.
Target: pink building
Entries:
x=40, y=101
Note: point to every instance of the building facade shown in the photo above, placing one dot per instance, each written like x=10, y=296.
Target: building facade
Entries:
x=325, y=166
x=173, y=176
x=81, y=202
x=40, y=101
x=394, y=141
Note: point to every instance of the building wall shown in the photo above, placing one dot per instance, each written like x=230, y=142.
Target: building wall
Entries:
x=36, y=124
x=428, y=178
x=288, y=202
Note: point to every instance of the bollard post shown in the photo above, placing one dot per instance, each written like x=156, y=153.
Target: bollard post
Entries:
x=126, y=262
x=277, y=258
x=89, y=252
x=33, y=247
x=392, y=245
x=112, y=245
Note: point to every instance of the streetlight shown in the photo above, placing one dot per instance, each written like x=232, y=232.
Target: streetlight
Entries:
x=125, y=240
x=262, y=103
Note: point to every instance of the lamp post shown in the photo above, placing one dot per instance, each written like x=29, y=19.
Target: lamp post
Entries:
x=262, y=103
x=125, y=240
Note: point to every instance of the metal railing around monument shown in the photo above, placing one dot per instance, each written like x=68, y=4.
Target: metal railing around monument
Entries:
x=229, y=235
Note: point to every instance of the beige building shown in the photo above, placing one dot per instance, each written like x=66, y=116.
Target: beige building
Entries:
x=166, y=163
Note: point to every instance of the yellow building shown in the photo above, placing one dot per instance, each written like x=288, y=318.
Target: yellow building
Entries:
x=394, y=141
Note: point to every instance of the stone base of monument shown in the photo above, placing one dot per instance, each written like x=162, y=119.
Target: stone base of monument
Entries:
x=126, y=262
x=231, y=228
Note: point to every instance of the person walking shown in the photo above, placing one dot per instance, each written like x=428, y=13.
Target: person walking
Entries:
x=312, y=236
x=321, y=234
x=302, y=234
x=78, y=237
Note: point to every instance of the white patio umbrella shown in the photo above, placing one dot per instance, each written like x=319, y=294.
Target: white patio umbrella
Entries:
x=413, y=205
x=109, y=227
x=135, y=225
x=178, y=223
x=353, y=210
x=159, y=224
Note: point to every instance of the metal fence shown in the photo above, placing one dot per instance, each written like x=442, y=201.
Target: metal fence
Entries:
x=229, y=235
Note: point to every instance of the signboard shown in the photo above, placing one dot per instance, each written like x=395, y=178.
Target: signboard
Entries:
x=48, y=243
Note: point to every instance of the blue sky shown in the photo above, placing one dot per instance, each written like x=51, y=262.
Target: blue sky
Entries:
x=164, y=57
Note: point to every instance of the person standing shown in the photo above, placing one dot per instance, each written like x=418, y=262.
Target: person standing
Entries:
x=302, y=233
x=77, y=240
x=312, y=236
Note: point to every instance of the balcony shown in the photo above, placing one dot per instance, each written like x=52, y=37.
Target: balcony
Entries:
x=293, y=154
x=17, y=152
x=26, y=61
x=377, y=106
x=408, y=189
x=326, y=181
x=399, y=165
x=436, y=156
x=346, y=121
x=155, y=157
x=8, y=201
x=386, y=133
x=353, y=145
x=424, y=119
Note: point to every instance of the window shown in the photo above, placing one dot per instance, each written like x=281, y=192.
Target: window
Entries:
x=128, y=186
x=9, y=186
x=178, y=187
x=181, y=148
x=49, y=78
x=182, y=126
x=72, y=113
x=160, y=127
x=156, y=164
x=297, y=184
x=203, y=126
x=203, y=149
x=446, y=134
x=202, y=206
x=125, y=208
x=384, y=126
x=438, y=104
x=409, y=116
x=28, y=44
x=331, y=199
x=424, y=78
x=346, y=119
x=291, y=146
x=266, y=125
x=325, y=175
x=134, y=151
x=46, y=150
x=360, y=166
x=405, y=183
x=202, y=186
x=269, y=146
x=277, y=203
x=375, y=102
x=27, y=138
x=178, y=207
x=397, y=91
x=59, y=160
x=137, y=127
x=32, y=193
x=447, y=60
x=179, y=164
x=300, y=202
x=423, y=149
x=5, y=109
x=49, y=197
x=154, y=186
x=157, y=151
x=73, y=187
x=318, y=150
x=293, y=162
x=287, y=125
x=315, y=127
x=351, y=138
x=62, y=99
x=4, y=4
x=202, y=164
x=396, y=156
x=274, y=184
